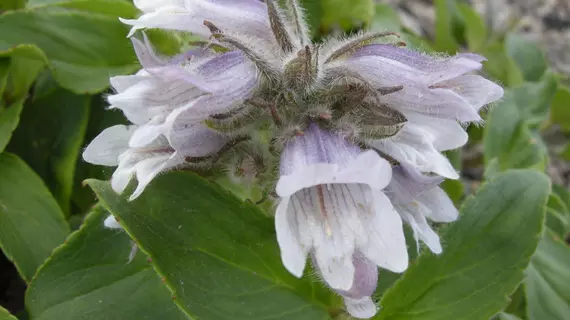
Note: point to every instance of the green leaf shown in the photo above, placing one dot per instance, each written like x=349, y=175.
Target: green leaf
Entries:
x=50, y=137
x=9, y=118
x=31, y=222
x=82, y=49
x=219, y=256
x=500, y=66
x=346, y=14
x=506, y=316
x=25, y=64
x=5, y=315
x=560, y=110
x=385, y=19
x=115, y=8
x=4, y=68
x=508, y=136
x=487, y=250
x=90, y=278
x=534, y=99
x=527, y=56
x=313, y=14
x=11, y=5
x=548, y=281
x=475, y=28
x=445, y=22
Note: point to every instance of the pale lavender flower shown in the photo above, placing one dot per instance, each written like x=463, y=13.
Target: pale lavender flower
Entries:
x=437, y=92
x=417, y=197
x=333, y=205
x=358, y=300
x=356, y=129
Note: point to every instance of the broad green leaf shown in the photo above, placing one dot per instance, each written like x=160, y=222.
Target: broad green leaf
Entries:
x=445, y=22
x=534, y=99
x=558, y=218
x=346, y=14
x=560, y=110
x=484, y=255
x=508, y=136
x=527, y=56
x=454, y=189
x=5, y=315
x=25, y=64
x=90, y=278
x=116, y=8
x=501, y=67
x=475, y=28
x=506, y=316
x=49, y=138
x=4, y=68
x=218, y=255
x=82, y=49
x=508, y=140
x=548, y=281
x=31, y=222
x=9, y=118
x=385, y=19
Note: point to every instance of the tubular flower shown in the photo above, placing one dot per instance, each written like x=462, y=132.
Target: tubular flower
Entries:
x=346, y=134
x=332, y=205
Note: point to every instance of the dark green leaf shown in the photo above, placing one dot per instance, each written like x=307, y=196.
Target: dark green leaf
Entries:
x=313, y=14
x=31, y=222
x=218, y=255
x=9, y=118
x=560, y=110
x=5, y=315
x=49, y=138
x=4, y=68
x=548, y=281
x=485, y=254
x=83, y=49
x=90, y=278
x=527, y=56
x=25, y=64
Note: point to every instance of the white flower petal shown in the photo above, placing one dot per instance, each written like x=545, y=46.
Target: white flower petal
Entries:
x=387, y=245
x=413, y=214
x=368, y=168
x=112, y=223
x=249, y=17
x=408, y=182
x=148, y=169
x=446, y=134
x=108, y=145
x=338, y=272
x=476, y=90
x=414, y=146
x=292, y=253
x=440, y=207
x=363, y=308
x=147, y=133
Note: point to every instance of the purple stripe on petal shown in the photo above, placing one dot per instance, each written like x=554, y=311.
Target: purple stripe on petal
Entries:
x=317, y=146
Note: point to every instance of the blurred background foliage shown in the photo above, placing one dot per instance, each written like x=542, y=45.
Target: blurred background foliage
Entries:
x=56, y=57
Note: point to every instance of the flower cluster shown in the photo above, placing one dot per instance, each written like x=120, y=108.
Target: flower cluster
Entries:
x=347, y=134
